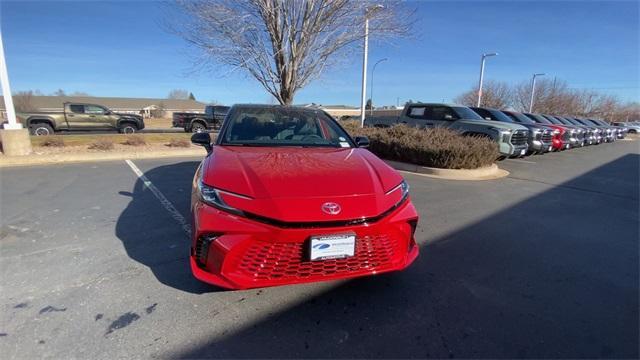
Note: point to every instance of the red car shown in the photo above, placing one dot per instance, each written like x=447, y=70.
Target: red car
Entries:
x=286, y=196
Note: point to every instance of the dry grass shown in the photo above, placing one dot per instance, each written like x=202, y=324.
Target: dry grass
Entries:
x=183, y=143
x=52, y=141
x=134, y=140
x=101, y=144
x=439, y=147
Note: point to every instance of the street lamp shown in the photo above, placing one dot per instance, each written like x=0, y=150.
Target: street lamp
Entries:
x=367, y=12
x=371, y=91
x=484, y=56
x=533, y=89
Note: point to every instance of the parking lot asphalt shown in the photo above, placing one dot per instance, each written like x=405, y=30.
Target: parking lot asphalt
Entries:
x=541, y=264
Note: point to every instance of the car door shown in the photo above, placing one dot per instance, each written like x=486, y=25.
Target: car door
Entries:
x=440, y=116
x=97, y=116
x=415, y=116
x=76, y=117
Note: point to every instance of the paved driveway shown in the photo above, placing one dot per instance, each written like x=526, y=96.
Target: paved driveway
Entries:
x=543, y=263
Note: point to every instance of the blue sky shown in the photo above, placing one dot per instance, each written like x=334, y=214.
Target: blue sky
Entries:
x=119, y=49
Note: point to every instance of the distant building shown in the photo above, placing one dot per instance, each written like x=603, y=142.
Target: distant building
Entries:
x=336, y=110
x=142, y=106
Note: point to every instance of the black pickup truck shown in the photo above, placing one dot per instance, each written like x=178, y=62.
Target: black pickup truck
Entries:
x=212, y=118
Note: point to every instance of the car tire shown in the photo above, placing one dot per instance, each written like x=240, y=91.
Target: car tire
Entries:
x=127, y=128
x=41, y=129
x=198, y=127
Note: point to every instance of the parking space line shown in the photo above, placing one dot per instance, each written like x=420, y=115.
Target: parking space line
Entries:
x=175, y=214
x=523, y=161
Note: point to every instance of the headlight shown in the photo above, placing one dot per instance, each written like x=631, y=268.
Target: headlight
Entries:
x=404, y=187
x=212, y=197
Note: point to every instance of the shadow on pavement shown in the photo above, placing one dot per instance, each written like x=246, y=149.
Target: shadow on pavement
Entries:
x=554, y=276
x=151, y=237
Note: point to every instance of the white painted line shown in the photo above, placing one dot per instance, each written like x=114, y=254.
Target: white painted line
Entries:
x=175, y=214
x=523, y=161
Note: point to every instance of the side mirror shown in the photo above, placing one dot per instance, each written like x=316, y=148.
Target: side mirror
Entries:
x=202, y=139
x=362, y=141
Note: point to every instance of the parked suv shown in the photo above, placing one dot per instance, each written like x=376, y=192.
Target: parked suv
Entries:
x=557, y=142
x=540, y=136
x=511, y=138
x=77, y=116
x=212, y=118
x=568, y=133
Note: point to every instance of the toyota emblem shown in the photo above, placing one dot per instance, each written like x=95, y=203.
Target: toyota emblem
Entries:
x=331, y=208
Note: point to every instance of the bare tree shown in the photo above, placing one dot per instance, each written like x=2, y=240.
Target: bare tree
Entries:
x=159, y=110
x=59, y=92
x=23, y=101
x=80, y=93
x=284, y=44
x=179, y=94
x=495, y=94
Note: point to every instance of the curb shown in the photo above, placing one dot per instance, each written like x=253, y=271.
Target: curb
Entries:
x=485, y=173
x=51, y=159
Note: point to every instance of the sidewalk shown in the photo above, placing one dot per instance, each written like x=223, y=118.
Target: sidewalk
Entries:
x=45, y=158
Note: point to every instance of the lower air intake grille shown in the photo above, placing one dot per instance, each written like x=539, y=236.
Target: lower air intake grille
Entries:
x=282, y=261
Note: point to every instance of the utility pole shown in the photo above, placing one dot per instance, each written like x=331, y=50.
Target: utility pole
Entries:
x=482, y=60
x=371, y=91
x=368, y=11
x=533, y=89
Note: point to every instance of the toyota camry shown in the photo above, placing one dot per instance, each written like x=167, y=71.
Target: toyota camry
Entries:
x=286, y=196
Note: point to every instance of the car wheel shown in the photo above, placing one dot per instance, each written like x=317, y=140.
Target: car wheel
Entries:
x=41, y=129
x=198, y=128
x=127, y=128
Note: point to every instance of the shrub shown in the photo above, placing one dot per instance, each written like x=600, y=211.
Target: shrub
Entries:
x=179, y=143
x=52, y=141
x=101, y=145
x=438, y=147
x=134, y=140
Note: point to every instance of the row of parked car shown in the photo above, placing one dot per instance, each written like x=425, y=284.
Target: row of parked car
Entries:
x=517, y=134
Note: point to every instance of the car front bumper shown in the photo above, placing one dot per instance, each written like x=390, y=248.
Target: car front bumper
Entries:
x=238, y=253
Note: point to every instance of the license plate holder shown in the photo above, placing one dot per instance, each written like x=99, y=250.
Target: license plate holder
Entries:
x=334, y=246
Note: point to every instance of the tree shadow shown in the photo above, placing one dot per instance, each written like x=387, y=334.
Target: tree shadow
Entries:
x=554, y=276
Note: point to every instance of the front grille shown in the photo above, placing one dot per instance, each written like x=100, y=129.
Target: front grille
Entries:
x=547, y=136
x=519, y=137
x=289, y=260
x=566, y=136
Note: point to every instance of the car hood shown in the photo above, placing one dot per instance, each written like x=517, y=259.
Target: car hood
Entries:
x=495, y=124
x=292, y=183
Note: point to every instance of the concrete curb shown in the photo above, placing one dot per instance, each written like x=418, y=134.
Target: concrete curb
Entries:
x=486, y=173
x=48, y=159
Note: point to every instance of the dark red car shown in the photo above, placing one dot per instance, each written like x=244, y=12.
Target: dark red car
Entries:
x=286, y=196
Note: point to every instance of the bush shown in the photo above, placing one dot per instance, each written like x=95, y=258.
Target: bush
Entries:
x=52, y=141
x=438, y=147
x=134, y=140
x=101, y=145
x=179, y=143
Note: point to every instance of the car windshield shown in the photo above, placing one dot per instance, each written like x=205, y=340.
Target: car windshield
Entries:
x=466, y=113
x=539, y=119
x=553, y=120
x=500, y=116
x=282, y=126
x=519, y=118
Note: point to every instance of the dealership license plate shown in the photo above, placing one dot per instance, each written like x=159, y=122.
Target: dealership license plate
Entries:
x=332, y=246
x=522, y=152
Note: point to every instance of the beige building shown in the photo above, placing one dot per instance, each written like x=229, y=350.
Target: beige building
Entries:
x=141, y=106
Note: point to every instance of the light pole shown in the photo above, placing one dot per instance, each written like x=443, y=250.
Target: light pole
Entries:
x=533, y=89
x=6, y=91
x=484, y=56
x=371, y=91
x=367, y=11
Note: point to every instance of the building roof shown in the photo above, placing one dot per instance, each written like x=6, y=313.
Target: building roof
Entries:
x=55, y=102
